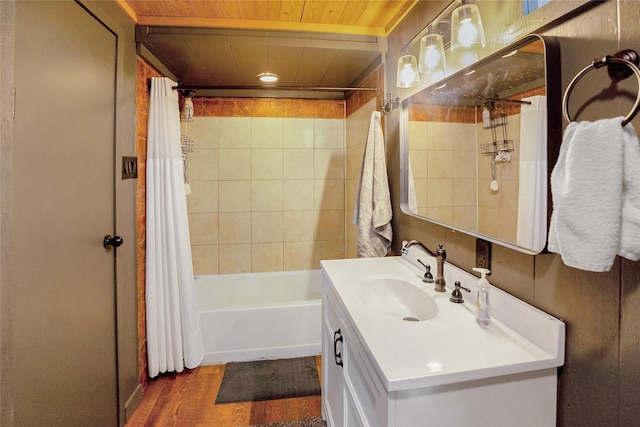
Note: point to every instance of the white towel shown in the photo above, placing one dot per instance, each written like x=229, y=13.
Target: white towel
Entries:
x=373, y=207
x=596, y=195
x=630, y=227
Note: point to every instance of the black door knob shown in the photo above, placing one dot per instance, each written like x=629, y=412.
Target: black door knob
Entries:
x=114, y=241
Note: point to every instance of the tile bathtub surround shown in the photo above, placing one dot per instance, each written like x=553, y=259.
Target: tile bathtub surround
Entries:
x=268, y=192
x=229, y=200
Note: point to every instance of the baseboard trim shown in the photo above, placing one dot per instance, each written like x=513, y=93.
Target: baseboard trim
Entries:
x=133, y=402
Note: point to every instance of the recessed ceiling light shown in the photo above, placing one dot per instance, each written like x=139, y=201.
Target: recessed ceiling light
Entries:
x=268, y=77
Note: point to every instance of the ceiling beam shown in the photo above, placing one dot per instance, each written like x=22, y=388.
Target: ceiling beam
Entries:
x=248, y=24
x=145, y=34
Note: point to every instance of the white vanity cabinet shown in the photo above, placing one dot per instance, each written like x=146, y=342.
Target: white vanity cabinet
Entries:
x=446, y=371
x=354, y=394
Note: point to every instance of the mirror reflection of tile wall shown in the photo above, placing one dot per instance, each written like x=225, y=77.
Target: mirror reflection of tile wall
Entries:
x=267, y=192
x=498, y=211
x=442, y=152
x=452, y=178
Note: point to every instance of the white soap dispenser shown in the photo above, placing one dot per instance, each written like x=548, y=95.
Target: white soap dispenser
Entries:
x=482, y=302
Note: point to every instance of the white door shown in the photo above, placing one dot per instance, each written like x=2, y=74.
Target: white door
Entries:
x=63, y=298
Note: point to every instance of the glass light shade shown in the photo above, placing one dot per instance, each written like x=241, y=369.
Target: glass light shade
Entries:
x=407, y=71
x=431, y=54
x=467, y=32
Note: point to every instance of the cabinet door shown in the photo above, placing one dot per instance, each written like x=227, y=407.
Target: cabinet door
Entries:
x=360, y=398
x=332, y=372
x=351, y=413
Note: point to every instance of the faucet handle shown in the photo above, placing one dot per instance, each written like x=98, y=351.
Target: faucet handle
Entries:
x=428, y=277
x=456, y=295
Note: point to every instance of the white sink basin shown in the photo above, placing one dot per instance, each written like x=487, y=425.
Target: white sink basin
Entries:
x=447, y=346
x=396, y=298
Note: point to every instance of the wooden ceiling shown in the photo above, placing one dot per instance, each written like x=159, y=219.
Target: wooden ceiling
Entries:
x=220, y=46
x=364, y=17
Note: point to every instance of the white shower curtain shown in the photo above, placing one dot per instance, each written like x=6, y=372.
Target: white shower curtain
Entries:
x=532, y=197
x=174, y=339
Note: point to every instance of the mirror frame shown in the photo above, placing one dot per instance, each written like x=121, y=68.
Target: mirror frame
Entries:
x=554, y=129
x=548, y=15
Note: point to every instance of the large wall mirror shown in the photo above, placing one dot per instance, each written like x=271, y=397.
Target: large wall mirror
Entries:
x=477, y=147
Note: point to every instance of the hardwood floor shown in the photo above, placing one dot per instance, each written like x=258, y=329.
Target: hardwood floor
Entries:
x=188, y=399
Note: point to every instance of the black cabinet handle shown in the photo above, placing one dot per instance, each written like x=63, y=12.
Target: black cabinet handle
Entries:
x=337, y=337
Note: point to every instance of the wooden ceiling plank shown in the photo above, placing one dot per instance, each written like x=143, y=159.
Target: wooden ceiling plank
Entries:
x=254, y=10
x=217, y=9
x=174, y=8
x=352, y=12
x=363, y=17
x=323, y=11
x=141, y=8
x=383, y=12
x=289, y=11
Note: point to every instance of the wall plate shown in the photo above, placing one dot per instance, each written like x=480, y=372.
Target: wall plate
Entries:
x=483, y=254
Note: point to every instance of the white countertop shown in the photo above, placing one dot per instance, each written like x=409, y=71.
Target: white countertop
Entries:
x=451, y=347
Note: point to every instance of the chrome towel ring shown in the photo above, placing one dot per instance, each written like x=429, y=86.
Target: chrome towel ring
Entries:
x=620, y=66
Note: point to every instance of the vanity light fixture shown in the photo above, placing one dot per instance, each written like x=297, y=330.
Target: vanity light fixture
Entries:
x=467, y=32
x=432, y=57
x=268, y=77
x=407, y=72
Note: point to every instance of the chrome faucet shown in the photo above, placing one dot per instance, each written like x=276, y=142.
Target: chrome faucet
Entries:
x=440, y=256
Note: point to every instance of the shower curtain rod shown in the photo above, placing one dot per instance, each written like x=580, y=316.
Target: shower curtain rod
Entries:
x=300, y=88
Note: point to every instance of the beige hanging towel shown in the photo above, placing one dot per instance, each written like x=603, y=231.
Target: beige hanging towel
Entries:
x=373, y=210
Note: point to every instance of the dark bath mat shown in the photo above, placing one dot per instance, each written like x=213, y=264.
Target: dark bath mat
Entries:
x=306, y=422
x=269, y=380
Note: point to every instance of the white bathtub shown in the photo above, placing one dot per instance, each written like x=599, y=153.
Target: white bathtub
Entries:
x=260, y=315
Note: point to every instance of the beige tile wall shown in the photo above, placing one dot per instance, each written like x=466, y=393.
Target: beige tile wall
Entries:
x=267, y=193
